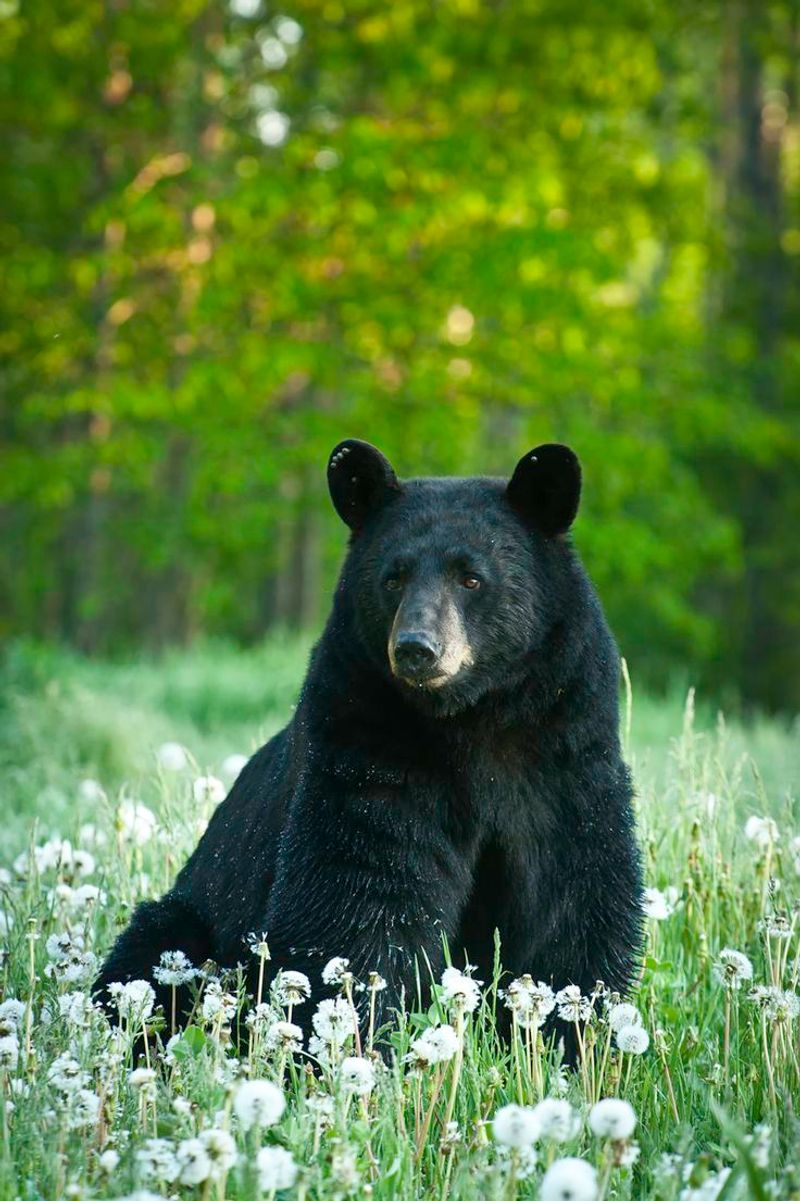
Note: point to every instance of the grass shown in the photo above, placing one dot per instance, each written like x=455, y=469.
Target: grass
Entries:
x=715, y=1094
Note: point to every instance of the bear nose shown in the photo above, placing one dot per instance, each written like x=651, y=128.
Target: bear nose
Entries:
x=415, y=652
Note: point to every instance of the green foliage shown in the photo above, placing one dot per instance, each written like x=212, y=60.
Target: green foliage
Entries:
x=488, y=226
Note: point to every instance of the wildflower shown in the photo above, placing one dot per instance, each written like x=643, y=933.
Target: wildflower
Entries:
x=569, y=1180
x=259, y=1018
x=276, y=1169
x=90, y=835
x=572, y=1006
x=357, y=1075
x=777, y=1004
x=259, y=946
x=531, y=1003
x=557, y=1119
x=623, y=1014
x=218, y=1004
x=762, y=831
x=172, y=756
x=76, y=1008
x=181, y=1105
x=82, y=1109
x=516, y=1126
x=108, y=1161
x=612, y=1118
x=336, y=971
x=776, y=925
x=633, y=1040
x=344, y=1171
x=194, y=1166
x=220, y=1149
x=657, y=904
x=233, y=765
x=375, y=982
x=174, y=968
x=67, y=1075
x=460, y=990
x=333, y=1021
x=157, y=1161
x=76, y=900
x=9, y=1053
x=291, y=988
x=143, y=1078
x=732, y=968
x=136, y=823
x=13, y=1011
x=437, y=1044
x=258, y=1103
x=134, y=1000
x=208, y=790
x=284, y=1036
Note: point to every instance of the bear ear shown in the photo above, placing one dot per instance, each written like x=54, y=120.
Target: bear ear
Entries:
x=360, y=480
x=545, y=488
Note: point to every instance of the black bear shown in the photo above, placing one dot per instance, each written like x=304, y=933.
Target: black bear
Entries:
x=453, y=766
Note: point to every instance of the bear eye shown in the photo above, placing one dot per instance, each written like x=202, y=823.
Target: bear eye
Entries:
x=471, y=581
x=392, y=583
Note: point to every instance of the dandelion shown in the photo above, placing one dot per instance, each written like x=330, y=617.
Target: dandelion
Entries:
x=194, y=1166
x=612, y=1118
x=291, y=988
x=777, y=1004
x=233, y=765
x=557, y=1119
x=460, y=990
x=108, y=1161
x=174, y=968
x=220, y=1148
x=375, y=982
x=777, y=925
x=344, y=1171
x=516, y=1126
x=336, y=971
x=83, y=1109
x=284, y=1036
x=136, y=823
x=437, y=1044
x=67, y=1075
x=276, y=1169
x=134, y=1000
x=218, y=1006
x=333, y=1021
x=208, y=790
x=569, y=1180
x=13, y=1011
x=9, y=1053
x=76, y=1008
x=157, y=1161
x=623, y=1014
x=143, y=1079
x=172, y=756
x=633, y=1040
x=762, y=831
x=258, y=1103
x=531, y=1003
x=709, y=1189
x=659, y=905
x=259, y=1018
x=572, y=1005
x=732, y=968
x=357, y=1075
x=90, y=835
x=92, y=792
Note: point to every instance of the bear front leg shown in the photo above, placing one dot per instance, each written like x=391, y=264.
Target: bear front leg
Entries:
x=367, y=877
x=169, y=924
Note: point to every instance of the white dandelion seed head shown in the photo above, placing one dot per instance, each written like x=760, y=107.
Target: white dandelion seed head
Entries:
x=344, y=1170
x=174, y=968
x=357, y=1075
x=142, y=1078
x=276, y=1169
x=233, y=766
x=291, y=988
x=657, y=904
x=157, y=1160
x=258, y=1103
x=558, y=1120
x=83, y=1108
x=194, y=1166
x=623, y=1014
x=732, y=968
x=9, y=1053
x=91, y=835
x=376, y=982
x=134, y=1000
x=92, y=792
x=572, y=1005
x=108, y=1161
x=777, y=925
x=763, y=831
x=217, y=1004
x=208, y=790
x=136, y=823
x=612, y=1118
x=66, y=1074
x=709, y=1189
x=633, y=1040
x=516, y=1126
x=284, y=1036
x=336, y=970
x=460, y=990
x=220, y=1147
x=778, y=1005
x=569, y=1179
x=172, y=756
x=13, y=1011
x=437, y=1044
x=333, y=1021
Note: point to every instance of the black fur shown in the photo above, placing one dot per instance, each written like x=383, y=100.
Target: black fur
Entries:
x=391, y=811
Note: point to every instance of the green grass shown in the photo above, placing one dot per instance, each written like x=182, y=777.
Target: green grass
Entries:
x=64, y=720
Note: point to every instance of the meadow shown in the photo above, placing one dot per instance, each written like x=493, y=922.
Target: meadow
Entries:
x=687, y=1090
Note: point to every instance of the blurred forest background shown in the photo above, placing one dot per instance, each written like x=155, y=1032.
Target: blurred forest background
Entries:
x=233, y=234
